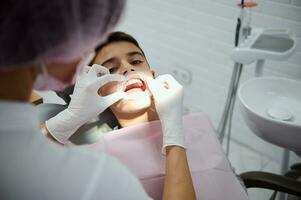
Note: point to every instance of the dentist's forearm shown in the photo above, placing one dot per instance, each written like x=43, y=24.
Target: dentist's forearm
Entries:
x=178, y=182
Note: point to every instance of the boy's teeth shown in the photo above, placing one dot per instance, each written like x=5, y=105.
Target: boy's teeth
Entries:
x=133, y=81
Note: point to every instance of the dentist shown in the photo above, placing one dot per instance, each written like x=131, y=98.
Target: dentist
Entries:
x=41, y=46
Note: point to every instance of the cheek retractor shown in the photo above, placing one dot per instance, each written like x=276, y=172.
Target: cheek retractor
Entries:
x=121, y=86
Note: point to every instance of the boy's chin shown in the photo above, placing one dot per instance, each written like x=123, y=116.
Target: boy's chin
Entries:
x=131, y=106
x=137, y=96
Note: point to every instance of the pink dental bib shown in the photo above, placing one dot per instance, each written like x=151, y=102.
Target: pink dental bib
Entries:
x=139, y=148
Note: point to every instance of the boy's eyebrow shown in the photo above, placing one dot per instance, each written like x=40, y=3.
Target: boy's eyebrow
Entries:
x=134, y=53
x=108, y=61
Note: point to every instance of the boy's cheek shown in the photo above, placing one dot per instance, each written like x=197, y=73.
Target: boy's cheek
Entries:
x=107, y=89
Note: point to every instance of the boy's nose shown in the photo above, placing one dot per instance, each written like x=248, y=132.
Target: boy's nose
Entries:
x=128, y=70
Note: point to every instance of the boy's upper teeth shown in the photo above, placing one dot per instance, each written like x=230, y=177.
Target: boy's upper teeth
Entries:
x=132, y=81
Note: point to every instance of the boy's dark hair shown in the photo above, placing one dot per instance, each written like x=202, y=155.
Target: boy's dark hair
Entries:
x=118, y=36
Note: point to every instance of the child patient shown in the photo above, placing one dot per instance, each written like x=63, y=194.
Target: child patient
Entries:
x=137, y=142
x=121, y=54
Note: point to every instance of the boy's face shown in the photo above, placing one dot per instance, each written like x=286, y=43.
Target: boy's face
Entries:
x=126, y=59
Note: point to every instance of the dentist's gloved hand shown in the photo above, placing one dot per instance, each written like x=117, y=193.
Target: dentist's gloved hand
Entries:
x=168, y=97
x=86, y=104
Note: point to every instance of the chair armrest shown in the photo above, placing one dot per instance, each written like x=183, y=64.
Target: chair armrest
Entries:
x=296, y=166
x=271, y=181
x=294, y=174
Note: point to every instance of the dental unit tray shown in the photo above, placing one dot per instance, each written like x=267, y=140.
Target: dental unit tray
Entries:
x=261, y=44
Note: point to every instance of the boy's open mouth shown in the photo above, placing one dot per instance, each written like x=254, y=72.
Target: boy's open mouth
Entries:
x=134, y=83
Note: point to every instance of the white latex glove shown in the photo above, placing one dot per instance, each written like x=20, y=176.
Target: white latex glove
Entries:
x=86, y=104
x=168, y=97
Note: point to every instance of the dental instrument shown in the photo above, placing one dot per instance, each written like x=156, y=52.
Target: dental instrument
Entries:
x=242, y=29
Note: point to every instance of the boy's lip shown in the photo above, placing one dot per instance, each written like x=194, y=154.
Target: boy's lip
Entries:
x=134, y=81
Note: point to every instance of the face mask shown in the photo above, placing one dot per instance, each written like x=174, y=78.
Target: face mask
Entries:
x=46, y=82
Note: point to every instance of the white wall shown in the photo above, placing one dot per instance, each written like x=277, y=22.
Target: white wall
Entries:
x=192, y=39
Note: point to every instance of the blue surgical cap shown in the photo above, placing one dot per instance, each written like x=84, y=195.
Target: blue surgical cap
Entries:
x=53, y=31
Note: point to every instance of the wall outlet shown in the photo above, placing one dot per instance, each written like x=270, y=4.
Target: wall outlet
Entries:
x=183, y=75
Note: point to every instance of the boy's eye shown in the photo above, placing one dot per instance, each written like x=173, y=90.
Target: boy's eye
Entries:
x=136, y=62
x=112, y=70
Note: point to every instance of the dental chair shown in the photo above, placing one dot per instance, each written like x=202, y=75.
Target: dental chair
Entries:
x=289, y=183
x=89, y=133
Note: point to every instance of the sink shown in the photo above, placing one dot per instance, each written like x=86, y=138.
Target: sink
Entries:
x=271, y=107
